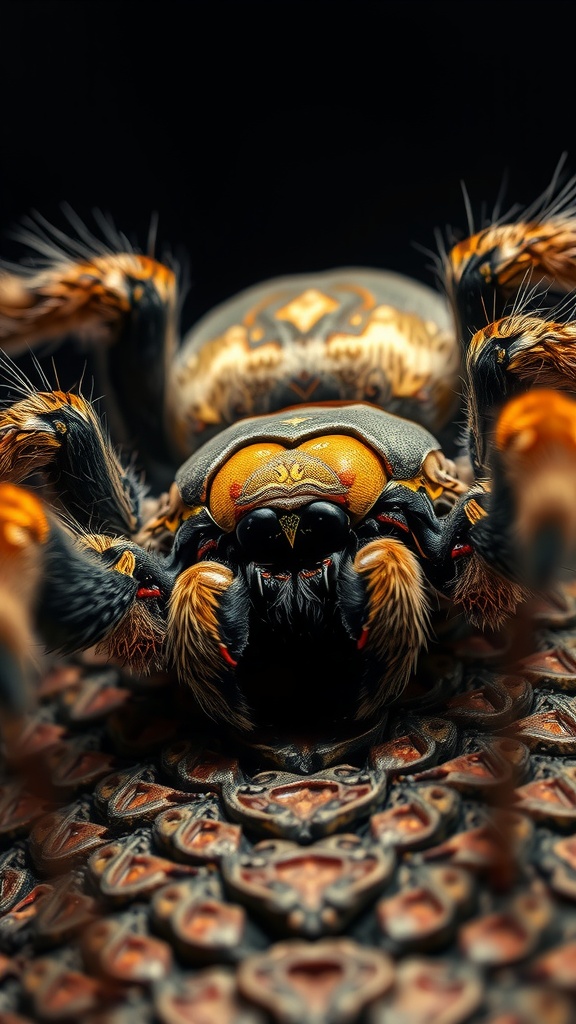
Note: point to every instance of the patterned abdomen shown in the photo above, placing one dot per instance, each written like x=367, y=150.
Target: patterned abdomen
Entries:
x=356, y=335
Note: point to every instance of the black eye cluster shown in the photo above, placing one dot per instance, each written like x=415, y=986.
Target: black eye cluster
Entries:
x=269, y=536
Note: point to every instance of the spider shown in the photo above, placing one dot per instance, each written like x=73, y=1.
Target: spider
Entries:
x=334, y=464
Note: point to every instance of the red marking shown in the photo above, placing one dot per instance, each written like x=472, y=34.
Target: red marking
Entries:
x=148, y=592
x=382, y=518
x=208, y=546
x=462, y=549
x=363, y=638
x=227, y=656
x=347, y=477
x=235, y=490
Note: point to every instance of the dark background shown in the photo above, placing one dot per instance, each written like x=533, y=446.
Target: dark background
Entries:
x=278, y=137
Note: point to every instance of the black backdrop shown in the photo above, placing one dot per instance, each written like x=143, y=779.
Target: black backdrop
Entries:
x=277, y=137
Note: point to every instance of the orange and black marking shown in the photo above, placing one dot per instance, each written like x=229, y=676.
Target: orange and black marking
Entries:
x=541, y=251
x=23, y=520
x=332, y=342
x=31, y=431
x=86, y=296
x=397, y=621
x=195, y=645
x=59, y=434
x=336, y=468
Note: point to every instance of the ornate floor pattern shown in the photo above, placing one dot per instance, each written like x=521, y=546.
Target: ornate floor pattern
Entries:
x=152, y=875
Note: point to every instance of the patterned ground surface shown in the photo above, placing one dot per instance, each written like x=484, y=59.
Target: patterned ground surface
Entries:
x=149, y=874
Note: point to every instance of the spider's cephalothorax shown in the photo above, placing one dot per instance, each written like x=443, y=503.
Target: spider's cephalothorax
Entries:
x=326, y=511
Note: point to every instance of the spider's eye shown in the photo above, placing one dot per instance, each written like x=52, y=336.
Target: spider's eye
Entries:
x=261, y=537
x=323, y=528
x=308, y=534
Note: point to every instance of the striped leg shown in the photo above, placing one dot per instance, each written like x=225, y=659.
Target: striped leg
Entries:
x=511, y=288
x=70, y=594
x=507, y=358
x=122, y=305
x=533, y=256
x=59, y=436
x=516, y=534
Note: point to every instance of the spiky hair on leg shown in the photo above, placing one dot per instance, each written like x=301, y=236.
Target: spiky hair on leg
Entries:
x=536, y=246
x=532, y=346
x=137, y=641
x=487, y=598
x=79, y=282
x=59, y=435
x=120, y=306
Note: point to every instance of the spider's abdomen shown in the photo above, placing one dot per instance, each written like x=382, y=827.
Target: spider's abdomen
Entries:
x=352, y=334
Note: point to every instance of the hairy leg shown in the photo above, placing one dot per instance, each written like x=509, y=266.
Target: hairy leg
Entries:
x=58, y=437
x=119, y=305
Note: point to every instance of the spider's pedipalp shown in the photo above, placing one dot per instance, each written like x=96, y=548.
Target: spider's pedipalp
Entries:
x=207, y=633
x=384, y=604
x=137, y=639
